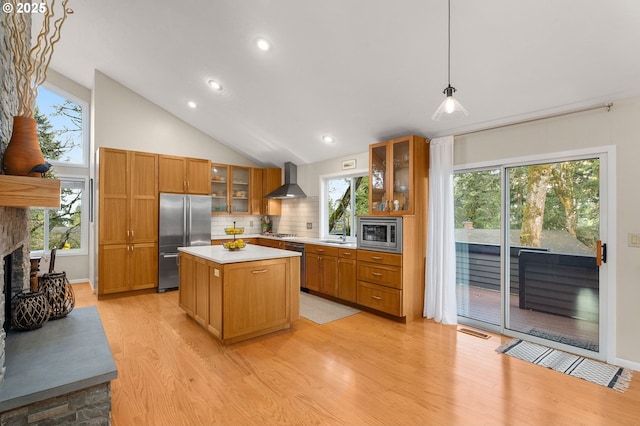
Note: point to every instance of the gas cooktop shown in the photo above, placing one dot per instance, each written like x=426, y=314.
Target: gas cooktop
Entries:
x=279, y=235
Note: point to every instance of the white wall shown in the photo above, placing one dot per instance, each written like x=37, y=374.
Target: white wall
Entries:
x=125, y=120
x=619, y=127
x=309, y=174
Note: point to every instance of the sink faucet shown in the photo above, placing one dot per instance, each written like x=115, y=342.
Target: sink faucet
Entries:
x=344, y=227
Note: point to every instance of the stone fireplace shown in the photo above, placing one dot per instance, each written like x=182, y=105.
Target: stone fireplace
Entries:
x=14, y=222
x=14, y=248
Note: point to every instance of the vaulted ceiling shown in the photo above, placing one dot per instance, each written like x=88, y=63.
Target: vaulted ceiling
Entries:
x=359, y=70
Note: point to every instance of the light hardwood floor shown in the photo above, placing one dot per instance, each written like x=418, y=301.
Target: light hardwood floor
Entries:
x=360, y=370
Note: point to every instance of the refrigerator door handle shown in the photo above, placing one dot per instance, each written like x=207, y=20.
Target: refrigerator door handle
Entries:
x=186, y=223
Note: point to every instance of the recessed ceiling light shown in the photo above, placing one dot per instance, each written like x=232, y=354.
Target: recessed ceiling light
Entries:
x=192, y=104
x=215, y=85
x=263, y=44
x=328, y=139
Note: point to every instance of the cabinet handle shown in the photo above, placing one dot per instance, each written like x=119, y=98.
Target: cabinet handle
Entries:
x=320, y=250
x=347, y=253
x=376, y=257
x=376, y=297
x=376, y=274
x=132, y=233
x=258, y=271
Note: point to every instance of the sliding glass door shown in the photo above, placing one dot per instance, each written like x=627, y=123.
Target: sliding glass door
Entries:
x=478, y=212
x=528, y=251
x=552, y=234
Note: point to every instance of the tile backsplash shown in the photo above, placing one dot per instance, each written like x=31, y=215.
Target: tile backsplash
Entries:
x=296, y=214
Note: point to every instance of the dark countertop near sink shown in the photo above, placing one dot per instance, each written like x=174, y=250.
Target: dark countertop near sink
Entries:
x=61, y=357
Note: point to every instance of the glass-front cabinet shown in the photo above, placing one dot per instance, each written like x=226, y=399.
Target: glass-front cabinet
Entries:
x=239, y=190
x=219, y=189
x=392, y=175
x=230, y=189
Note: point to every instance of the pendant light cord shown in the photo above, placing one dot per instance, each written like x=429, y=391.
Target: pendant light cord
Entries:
x=449, y=45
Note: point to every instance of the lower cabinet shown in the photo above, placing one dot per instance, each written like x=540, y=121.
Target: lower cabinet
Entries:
x=380, y=281
x=237, y=301
x=322, y=269
x=126, y=267
x=347, y=274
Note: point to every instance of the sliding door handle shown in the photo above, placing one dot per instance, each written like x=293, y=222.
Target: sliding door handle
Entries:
x=601, y=253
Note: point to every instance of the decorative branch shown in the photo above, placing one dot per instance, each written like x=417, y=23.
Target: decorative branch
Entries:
x=31, y=64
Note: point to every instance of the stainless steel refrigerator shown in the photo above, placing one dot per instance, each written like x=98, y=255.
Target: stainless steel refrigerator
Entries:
x=185, y=220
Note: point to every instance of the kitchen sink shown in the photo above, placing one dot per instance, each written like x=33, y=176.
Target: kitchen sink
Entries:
x=340, y=242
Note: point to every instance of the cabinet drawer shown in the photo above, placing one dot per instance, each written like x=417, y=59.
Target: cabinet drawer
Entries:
x=324, y=250
x=380, y=298
x=390, y=276
x=380, y=257
x=347, y=253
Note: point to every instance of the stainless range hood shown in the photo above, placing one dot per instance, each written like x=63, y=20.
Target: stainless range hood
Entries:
x=290, y=189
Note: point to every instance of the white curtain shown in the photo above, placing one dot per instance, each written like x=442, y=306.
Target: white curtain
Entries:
x=440, y=276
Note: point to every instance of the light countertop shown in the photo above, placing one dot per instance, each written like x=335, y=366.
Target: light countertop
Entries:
x=305, y=240
x=251, y=252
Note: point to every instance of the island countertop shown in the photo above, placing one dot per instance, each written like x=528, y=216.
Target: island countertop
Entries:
x=251, y=252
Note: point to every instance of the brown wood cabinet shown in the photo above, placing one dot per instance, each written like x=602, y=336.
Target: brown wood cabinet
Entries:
x=380, y=281
x=230, y=189
x=322, y=269
x=347, y=274
x=267, y=242
x=271, y=180
x=184, y=175
x=237, y=301
x=398, y=175
x=128, y=221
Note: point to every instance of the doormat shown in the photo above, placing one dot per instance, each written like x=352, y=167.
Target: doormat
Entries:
x=322, y=311
x=560, y=338
x=611, y=376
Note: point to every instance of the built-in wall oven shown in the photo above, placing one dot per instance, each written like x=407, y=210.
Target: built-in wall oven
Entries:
x=380, y=233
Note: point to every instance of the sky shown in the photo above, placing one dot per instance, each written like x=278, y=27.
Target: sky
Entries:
x=46, y=102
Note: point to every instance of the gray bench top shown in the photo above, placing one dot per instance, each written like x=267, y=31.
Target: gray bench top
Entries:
x=64, y=356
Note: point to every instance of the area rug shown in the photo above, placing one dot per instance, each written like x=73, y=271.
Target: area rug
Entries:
x=322, y=311
x=611, y=376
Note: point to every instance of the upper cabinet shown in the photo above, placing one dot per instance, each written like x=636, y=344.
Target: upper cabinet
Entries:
x=271, y=180
x=230, y=189
x=184, y=175
x=398, y=171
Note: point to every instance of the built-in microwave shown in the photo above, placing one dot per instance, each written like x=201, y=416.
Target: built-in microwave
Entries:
x=380, y=233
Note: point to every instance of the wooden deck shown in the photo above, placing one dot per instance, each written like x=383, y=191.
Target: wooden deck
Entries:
x=484, y=305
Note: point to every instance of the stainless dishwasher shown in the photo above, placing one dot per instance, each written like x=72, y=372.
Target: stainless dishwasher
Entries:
x=299, y=247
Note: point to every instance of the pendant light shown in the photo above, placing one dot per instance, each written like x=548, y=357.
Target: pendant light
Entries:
x=450, y=108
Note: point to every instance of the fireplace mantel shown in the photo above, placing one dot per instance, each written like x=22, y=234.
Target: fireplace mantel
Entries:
x=21, y=191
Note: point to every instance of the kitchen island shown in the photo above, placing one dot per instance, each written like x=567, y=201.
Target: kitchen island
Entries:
x=237, y=295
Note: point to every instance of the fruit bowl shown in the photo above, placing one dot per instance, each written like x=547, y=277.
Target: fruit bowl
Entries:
x=234, y=231
x=234, y=245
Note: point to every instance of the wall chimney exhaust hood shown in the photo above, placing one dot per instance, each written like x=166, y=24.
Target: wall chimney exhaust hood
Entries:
x=290, y=189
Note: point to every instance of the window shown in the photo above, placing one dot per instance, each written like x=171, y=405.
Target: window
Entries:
x=344, y=198
x=62, y=128
x=63, y=228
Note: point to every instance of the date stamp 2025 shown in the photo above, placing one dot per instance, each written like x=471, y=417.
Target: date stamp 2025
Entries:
x=33, y=7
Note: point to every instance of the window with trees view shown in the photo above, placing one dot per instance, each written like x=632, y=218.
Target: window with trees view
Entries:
x=346, y=197
x=62, y=133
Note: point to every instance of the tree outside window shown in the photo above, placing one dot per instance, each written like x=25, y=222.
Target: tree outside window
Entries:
x=346, y=198
x=60, y=132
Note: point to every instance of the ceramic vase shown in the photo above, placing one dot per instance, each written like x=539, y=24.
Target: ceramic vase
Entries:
x=23, y=152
